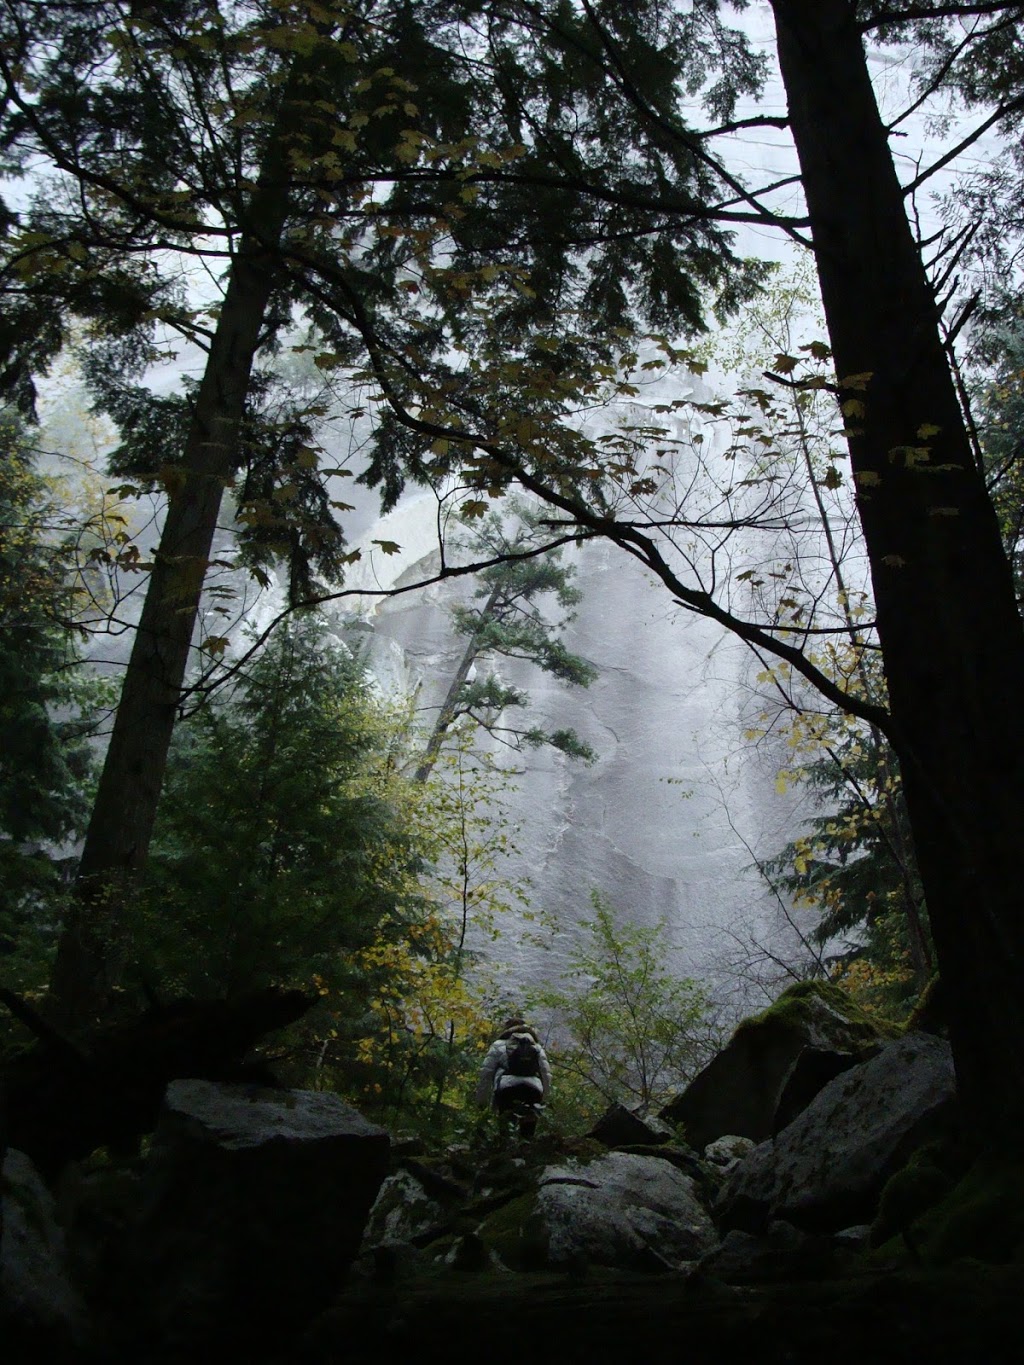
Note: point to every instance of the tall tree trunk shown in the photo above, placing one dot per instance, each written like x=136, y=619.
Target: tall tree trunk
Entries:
x=951, y=636
x=89, y=956
x=119, y=833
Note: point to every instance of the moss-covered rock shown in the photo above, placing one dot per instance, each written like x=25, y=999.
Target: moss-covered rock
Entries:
x=824, y=1011
x=827, y=1169
x=514, y=1234
x=624, y=1210
x=402, y=1212
x=981, y=1218
x=740, y=1091
x=929, y=1175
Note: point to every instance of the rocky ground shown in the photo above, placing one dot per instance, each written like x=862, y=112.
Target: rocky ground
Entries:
x=969, y=1315
x=836, y=1217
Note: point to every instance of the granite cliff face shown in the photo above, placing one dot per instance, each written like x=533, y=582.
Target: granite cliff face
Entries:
x=668, y=819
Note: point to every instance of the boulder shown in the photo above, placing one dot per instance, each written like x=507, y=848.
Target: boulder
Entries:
x=619, y=1127
x=727, y=1150
x=826, y=1170
x=256, y=1206
x=39, y=1304
x=63, y=1099
x=811, y=1072
x=707, y=1179
x=403, y=1213
x=740, y=1090
x=625, y=1211
x=781, y=1253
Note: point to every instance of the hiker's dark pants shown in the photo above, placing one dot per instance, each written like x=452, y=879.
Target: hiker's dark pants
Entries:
x=523, y=1102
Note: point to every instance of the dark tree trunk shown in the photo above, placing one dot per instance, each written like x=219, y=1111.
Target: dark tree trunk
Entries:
x=951, y=636
x=123, y=817
x=91, y=948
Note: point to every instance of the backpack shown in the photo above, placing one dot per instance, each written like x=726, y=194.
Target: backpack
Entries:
x=522, y=1056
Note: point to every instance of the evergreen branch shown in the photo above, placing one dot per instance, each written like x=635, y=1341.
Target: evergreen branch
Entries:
x=764, y=121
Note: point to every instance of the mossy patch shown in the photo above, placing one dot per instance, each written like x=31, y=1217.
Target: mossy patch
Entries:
x=978, y=1218
x=799, y=1007
x=927, y=1178
x=982, y=1217
x=514, y=1234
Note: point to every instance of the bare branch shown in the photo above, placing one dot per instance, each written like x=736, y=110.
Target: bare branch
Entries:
x=765, y=121
x=1004, y=110
x=209, y=683
x=883, y=17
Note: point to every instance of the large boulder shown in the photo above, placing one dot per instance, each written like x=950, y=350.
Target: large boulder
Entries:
x=619, y=1127
x=257, y=1203
x=739, y=1091
x=627, y=1211
x=826, y=1170
x=781, y=1253
x=405, y=1212
x=64, y=1101
x=39, y=1305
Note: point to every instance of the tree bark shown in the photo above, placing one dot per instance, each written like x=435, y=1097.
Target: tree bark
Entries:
x=951, y=637
x=119, y=833
x=91, y=948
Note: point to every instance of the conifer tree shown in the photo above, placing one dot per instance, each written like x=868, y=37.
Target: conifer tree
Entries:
x=49, y=706
x=281, y=842
x=509, y=622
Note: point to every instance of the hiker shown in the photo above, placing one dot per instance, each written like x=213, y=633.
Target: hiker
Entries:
x=516, y=1077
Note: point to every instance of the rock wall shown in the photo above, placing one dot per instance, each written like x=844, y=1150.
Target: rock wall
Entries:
x=668, y=819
